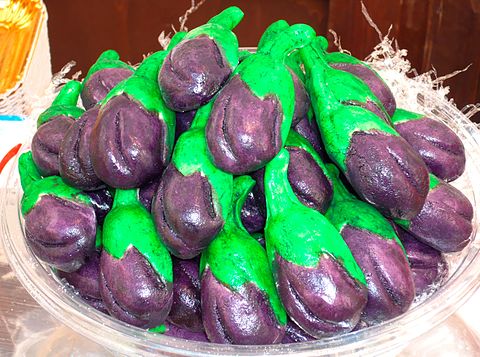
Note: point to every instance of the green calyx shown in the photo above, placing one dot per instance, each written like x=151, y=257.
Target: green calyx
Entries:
x=299, y=234
x=188, y=161
x=347, y=210
x=34, y=186
x=265, y=73
x=402, y=115
x=129, y=224
x=142, y=87
x=329, y=89
x=64, y=104
x=159, y=329
x=219, y=28
x=108, y=59
x=235, y=258
x=434, y=182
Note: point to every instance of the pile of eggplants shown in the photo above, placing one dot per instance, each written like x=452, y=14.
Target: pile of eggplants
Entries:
x=342, y=214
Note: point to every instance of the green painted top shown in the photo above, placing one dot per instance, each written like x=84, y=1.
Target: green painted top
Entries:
x=107, y=59
x=159, y=329
x=433, y=183
x=402, y=115
x=297, y=233
x=242, y=54
x=235, y=258
x=219, y=28
x=328, y=89
x=189, y=161
x=142, y=87
x=265, y=73
x=34, y=186
x=64, y=104
x=347, y=210
x=272, y=31
x=129, y=224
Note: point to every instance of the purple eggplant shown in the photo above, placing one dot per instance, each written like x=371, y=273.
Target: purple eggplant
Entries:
x=240, y=304
x=445, y=221
x=428, y=265
x=201, y=63
x=135, y=267
x=377, y=250
x=86, y=281
x=75, y=165
x=440, y=148
x=253, y=113
x=186, y=312
x=320, y=284
x=105, y=74
x=60, y=222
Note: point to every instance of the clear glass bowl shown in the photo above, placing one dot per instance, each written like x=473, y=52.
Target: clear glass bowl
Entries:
x=387, y=338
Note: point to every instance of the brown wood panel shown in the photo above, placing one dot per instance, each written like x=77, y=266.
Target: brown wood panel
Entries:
x=81, y=29
x=455, y=44
x=442, y=33
x=439, y=33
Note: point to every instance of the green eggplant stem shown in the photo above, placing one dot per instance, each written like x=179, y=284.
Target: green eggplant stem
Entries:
x=28, y=170
x=68, y=95
x=272, y=31
x=296, y=36
x=64, y=104
x=228, y=18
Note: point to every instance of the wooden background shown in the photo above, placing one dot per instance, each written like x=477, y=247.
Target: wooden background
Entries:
x=444, y=34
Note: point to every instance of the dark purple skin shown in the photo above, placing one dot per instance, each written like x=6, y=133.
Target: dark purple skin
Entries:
x=61, y=232
x=243, y=131
x=387, y=172
x=294, y=334
x=184, y=122
x=308, y=181
x=253, y=216
x=186, y=312
x=309, y=130
x=373, y=81
x=233, y=317
x=178, y=332
x=302, y=100
x=440, y=148
x=132, y=291
x=254, y=209
x=445, y=221
x=147, y=192
x=309, y=300
x=184, y=213
x=428, y=265
x=193, y=72
x=97, y=304
x=128, y=144
x=74, y=157
x=100, y=83
x=102, y=201
x=86, y=281
x=390, y=284
x=46, y=144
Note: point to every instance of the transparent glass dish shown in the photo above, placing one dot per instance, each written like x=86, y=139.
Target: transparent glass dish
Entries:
x=384, y=339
